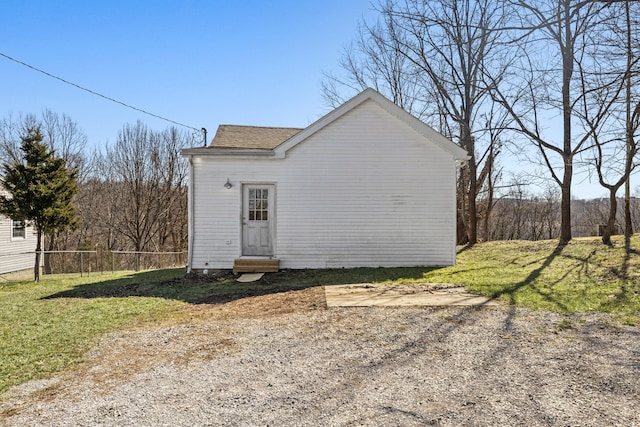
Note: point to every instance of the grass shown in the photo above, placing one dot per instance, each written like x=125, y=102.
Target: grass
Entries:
x=40, y=335
x=583, y=276
x=46, y=327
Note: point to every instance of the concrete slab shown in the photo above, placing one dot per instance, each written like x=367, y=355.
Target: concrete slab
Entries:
x=410, y=294
x=249, y=277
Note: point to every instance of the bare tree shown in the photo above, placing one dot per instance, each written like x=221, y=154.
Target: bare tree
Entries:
x=632, y=117
x=134, y=182
x=68, y=141
x=375, y=59
x=63, y=135
x=12, y=128
x=431, y=58
x=145, y=179
x=495, y=123
x=523, y=215
x=10, y=131
x=173, y=225
x=609, y=113
x=551, y=37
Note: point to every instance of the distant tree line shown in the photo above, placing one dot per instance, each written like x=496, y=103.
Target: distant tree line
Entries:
x=553, y=82
x=131, y=195
x=519, y=215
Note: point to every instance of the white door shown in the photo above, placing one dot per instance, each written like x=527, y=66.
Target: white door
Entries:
x=257, y=220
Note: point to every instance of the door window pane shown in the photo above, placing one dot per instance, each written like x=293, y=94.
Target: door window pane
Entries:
x=258, y=204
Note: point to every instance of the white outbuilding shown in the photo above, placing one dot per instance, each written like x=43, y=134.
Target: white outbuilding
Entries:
x=367, y=185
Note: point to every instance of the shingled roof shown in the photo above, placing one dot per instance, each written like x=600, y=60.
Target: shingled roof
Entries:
x=256, y=137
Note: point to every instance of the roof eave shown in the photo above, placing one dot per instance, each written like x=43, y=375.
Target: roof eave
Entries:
x=226, y=152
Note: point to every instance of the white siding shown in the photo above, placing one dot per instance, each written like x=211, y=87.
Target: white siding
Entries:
x=15, y=254
x=366, y=190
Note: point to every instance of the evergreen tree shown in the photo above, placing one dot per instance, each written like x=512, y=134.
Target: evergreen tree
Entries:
x=41, y=189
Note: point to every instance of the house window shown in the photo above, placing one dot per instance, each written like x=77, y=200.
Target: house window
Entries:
x=18, y=230
x=258, y=204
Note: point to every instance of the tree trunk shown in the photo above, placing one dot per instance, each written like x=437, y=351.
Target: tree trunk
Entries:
x=567, y=73
x=472, y=222
x=488, y=209
x=36, y=268
x=628, y=225
x=467, y=142
x=47, y=255
x=565, y=207
x=630, y=144
x=611, y=222
x=461, y=231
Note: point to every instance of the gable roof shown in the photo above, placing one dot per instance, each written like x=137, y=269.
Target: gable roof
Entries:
x=371, y=94
x=231, y=140
x=252, y=137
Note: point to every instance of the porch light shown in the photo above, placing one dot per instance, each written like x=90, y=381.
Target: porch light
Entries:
x=227, y=184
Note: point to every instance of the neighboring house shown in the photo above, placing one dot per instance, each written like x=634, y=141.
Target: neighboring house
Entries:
x=367, y=185
x=17, y=245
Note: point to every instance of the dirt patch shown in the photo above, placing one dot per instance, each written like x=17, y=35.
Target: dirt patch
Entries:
x=256, y=306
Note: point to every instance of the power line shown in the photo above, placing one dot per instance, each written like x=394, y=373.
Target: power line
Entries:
x=98, y=94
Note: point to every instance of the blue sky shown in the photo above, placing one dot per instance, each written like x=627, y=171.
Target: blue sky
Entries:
x=200, y=63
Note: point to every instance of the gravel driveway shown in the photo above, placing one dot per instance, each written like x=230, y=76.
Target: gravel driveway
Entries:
x=285, y=360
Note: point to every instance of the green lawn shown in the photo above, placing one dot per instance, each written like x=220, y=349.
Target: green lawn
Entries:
x=48, y=326
x=583, y=276
x=41, y=334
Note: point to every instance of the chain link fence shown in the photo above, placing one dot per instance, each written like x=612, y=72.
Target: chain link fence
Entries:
x=87, y=262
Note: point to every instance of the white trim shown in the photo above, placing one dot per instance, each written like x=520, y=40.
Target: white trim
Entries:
x=190, y=211
x=226, y=152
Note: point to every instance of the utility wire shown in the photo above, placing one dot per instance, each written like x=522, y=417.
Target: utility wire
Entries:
x=98, y=94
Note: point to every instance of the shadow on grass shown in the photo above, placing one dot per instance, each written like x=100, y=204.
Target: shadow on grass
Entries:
x=212, y=289
x=222, y=287
x=629, y=293
x=463, y=248
x=528, y=281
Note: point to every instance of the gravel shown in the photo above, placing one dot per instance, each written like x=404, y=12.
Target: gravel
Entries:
x=269, y=361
